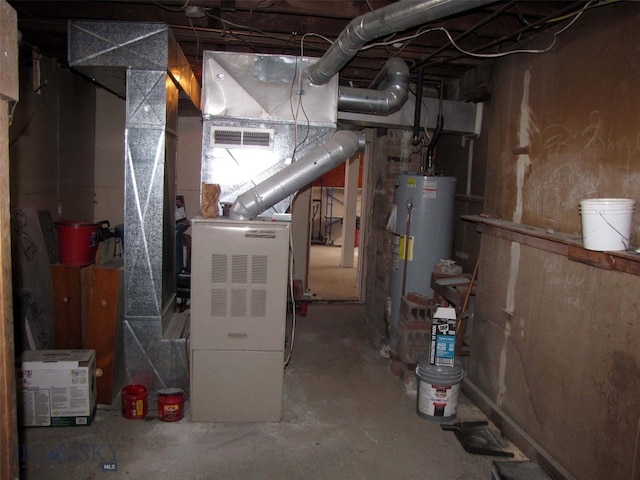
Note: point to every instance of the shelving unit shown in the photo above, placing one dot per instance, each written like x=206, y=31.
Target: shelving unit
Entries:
x=329, y=219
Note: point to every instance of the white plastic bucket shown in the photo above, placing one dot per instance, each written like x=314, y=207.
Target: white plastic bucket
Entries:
x=606, y=223
x=438, y=389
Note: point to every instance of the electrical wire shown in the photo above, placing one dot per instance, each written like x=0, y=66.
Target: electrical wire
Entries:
x=300, y=104
x=420, y=32
x=242, y=27
x=391, y=40
x=293, y=300
x=197, y=39
x=295, y=113
x=511, y=52
x=328, y=40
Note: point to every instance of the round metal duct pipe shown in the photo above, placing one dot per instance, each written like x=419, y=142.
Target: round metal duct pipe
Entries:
x=384, y=21
x=389, y=99
x=290, y=179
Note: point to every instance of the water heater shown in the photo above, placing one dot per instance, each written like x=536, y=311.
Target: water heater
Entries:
x=423, y=235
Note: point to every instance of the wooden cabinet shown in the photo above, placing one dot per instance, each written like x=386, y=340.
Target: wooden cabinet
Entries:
x=88, y=313
x=104, y=330
x=71, y=287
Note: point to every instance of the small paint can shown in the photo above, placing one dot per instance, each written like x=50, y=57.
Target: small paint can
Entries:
x=170, y=404
x=134, y=401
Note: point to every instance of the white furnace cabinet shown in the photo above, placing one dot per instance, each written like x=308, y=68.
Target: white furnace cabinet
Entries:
x=239, y=273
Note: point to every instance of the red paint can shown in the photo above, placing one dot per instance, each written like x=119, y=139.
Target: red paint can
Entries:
x=134, y=401
x=171, y=404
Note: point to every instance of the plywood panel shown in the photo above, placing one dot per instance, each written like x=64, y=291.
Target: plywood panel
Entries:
x=557, y=341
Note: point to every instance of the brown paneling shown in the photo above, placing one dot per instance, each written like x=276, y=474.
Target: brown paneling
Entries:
x=555, y=341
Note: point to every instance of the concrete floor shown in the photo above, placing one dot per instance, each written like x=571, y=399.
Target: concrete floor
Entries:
x=345, y=416
x=327, y=279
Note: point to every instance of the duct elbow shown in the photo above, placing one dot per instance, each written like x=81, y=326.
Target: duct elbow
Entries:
x=239, y=210
x=396, y=98
x=392, y=95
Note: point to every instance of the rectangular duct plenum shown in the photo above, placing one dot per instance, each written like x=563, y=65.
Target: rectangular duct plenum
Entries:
x=260, y=113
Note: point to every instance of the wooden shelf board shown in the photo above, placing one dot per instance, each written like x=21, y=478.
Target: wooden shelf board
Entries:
x=565, y=244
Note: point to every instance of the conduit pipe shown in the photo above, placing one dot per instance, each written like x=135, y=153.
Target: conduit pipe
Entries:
x=389, y=97
x=292, y=178
x=393, y=18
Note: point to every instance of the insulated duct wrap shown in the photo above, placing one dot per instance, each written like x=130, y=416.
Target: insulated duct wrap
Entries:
x=289, y=180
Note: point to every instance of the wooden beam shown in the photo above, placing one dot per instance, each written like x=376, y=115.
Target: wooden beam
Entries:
x=8, y=94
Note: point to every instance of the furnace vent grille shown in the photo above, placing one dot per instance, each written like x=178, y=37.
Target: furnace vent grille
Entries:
x=230, y=137
x=239, y=285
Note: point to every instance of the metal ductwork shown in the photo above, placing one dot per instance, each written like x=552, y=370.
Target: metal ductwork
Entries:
x=388, y=98
x=393, y=18
x=289, y=180
x=144, y=63
x=392, y=92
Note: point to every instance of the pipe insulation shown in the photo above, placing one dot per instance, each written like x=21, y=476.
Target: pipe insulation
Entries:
x=393, y=18
x=342, y=145
x=389, y=97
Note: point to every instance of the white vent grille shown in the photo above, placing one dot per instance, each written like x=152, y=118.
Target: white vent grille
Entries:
x=258, y=303
x=240, y=290
x=218, y=268
x=239, y=264
x=218, y=302
x=238, y=303
x=230, y=137
x=227, y=137
x=259, y=269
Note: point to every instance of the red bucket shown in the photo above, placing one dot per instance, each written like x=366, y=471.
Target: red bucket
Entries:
x=171, y=404
x=134, y=401
x=77, y=242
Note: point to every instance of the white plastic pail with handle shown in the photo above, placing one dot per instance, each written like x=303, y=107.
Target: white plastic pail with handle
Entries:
x=606, y=223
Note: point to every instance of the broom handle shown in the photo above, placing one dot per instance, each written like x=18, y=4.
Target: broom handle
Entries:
x=473, y=279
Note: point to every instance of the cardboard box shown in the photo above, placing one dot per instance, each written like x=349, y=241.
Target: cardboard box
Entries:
x=56, y=388
x=443, y=337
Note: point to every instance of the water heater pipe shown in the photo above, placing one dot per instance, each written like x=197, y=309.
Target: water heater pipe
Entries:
x=407, y=240
x=342, y=145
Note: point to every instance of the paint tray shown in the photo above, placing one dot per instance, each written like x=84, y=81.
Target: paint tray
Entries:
x=475, y=437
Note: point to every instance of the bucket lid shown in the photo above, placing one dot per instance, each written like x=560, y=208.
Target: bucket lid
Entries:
x=171, y=391
x=440, y=372
x=134, y=389
x=608, y=202
x=75, y=224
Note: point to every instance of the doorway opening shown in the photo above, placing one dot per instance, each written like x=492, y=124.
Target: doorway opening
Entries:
x=335, y=233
